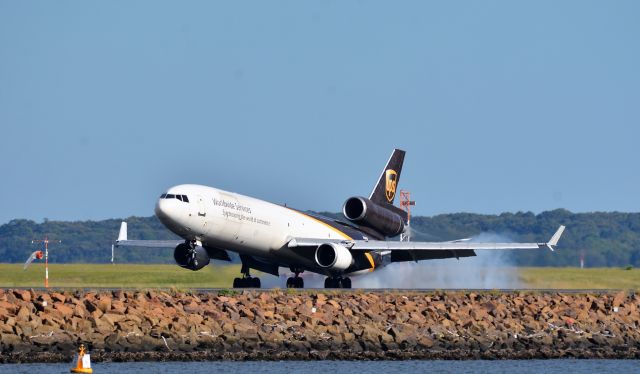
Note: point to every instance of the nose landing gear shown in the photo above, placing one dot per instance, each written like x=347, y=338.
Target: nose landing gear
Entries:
x=337, y=282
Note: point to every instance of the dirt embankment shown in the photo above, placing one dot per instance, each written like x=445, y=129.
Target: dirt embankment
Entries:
x=156, y=325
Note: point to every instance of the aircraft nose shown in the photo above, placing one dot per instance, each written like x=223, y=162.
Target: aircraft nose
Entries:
x=163, y=210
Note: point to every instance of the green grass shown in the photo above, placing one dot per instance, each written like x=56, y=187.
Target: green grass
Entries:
x=221, y=276
x=118, y=275
x=576, y=278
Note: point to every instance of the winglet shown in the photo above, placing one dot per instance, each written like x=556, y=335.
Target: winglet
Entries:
x=554, y=239
x=122, y=236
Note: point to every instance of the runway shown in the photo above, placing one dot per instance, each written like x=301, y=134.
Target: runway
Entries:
x=336, y=290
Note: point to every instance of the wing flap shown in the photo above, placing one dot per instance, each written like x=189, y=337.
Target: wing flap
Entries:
x=402, y=256
x=361, y=245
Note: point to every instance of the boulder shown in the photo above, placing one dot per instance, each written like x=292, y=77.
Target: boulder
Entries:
x=58, y=297
x=104, y=304
x=619, y=299
x=23, y=295
x=9, y=308
x=112, y=318
x=65, y=310
x=23, y=314
x=7, y=328
x=118, y=307
x=90, y=306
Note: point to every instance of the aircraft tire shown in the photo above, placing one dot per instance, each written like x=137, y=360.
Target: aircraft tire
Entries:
x=345, y=282
x=237, y=282
x=331, y=282
x=295, y=282
x=254, y=282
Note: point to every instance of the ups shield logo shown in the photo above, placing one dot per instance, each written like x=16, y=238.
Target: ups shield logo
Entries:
x=390, y=186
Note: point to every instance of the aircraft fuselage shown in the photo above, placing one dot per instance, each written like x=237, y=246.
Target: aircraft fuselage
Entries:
x=245, y=225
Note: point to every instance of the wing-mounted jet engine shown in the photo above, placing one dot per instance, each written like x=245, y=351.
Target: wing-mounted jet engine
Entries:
x=333, y=256
x=192, y=257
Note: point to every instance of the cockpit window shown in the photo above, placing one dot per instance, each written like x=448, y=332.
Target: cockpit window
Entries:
x=173, y=196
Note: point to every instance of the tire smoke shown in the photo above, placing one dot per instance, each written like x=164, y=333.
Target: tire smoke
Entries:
x=487, y=270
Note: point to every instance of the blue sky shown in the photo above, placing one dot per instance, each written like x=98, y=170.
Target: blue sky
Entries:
x=500, y=105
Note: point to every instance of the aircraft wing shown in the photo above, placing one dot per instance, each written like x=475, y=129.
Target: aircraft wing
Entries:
x=380, y=245
x=124, y=242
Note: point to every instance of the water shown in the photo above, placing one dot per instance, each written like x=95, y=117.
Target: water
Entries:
x=346, y=367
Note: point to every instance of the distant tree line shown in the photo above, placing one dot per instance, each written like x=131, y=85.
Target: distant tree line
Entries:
x=606, y=239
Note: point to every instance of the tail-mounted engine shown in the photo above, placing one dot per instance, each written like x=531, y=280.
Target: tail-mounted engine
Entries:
x=333, y=256
x=192, y=257
x=380, y=218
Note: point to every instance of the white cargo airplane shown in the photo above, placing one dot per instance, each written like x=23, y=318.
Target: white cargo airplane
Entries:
x=267, y=236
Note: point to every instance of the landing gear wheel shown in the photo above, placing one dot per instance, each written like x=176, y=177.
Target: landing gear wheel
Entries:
x=295, y=282
x=247, y=282
x=255, y=282
x=337, y=282
x=331, y=282
x=345, y=283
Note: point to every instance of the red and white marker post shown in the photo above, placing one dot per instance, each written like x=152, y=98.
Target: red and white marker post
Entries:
x=46, y=242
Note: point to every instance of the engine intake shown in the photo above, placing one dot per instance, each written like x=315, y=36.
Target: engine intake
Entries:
x=189, y=257
x=365, y=212
x=333, y=256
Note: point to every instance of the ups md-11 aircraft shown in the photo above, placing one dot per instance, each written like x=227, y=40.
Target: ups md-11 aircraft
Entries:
x=267, y=236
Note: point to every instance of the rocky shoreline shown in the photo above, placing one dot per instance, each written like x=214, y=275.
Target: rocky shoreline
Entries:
x=156, y=325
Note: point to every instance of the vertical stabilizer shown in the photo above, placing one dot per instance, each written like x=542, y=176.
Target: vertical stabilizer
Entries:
x=385, y=190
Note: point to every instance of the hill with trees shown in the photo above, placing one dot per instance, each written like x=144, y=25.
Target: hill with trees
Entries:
x=606, y=239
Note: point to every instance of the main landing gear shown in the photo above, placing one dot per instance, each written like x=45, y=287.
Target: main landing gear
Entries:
x=247, y=281
x=337, y=282
x=295, y=282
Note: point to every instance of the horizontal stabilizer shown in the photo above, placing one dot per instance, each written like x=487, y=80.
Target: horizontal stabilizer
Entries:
x=123, y=241
x=149, y=243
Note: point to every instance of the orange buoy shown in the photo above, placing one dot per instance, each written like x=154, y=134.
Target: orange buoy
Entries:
x=83, y=364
